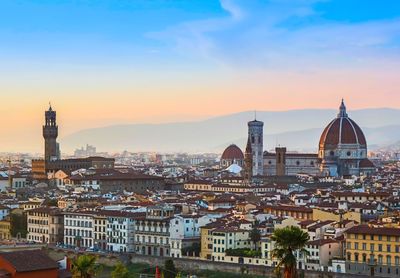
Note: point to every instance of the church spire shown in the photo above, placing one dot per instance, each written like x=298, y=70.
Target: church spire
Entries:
x=342, y=110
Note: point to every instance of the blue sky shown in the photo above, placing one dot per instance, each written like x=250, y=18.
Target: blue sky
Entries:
x=166, y=60
x=186, y=32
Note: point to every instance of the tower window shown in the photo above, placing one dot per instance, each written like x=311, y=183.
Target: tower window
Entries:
x=332, y=153
x=348, y=153
x=252, y=139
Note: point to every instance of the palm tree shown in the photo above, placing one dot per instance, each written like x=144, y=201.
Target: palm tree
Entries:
x=85, y=266
x=287, y=241
x=255, y=236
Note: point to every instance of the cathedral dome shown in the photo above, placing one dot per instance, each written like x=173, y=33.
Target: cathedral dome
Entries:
x=342, y=130
x=232, y=152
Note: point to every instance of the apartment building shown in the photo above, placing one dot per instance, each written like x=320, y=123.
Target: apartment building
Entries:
x=185, y=232
x=79, y=229
x=120, y=230
x=373, y=251
x=152, y=231
x=225, y=238
x=45, y=225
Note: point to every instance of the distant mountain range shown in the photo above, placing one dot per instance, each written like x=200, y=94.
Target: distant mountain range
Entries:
x=298, y=130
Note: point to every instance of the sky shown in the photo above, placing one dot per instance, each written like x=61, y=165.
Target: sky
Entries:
x=149, y=61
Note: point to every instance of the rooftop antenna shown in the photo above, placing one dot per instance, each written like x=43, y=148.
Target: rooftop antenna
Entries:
x=255, y=115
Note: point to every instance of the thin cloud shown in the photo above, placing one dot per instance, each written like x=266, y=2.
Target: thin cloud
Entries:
x=259, y=36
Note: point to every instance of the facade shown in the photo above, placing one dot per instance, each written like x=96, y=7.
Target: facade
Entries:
x=5, y=229
x=343, y=148
x=282, y=163
x=120, y=231
x=18, y=182
x=256, y=137
x=45, y=225
x=373, y=251
x=297, y=212
x=111, y=180
x=225, y=238
x=100, y=232
x=152, y=232
x=185, y=232
x=320, y=254
x=206, y=244
x=231, y=155
x=4, y=212
x=79, y=229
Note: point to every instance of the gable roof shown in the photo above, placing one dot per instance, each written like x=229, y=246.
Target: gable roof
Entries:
x=29, y=260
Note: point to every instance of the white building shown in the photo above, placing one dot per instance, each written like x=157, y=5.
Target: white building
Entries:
x=79, y=229
x=120, y=231
x=152, y=232
x=185, y=232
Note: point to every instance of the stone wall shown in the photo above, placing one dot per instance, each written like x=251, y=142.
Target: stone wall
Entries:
x=191, y=265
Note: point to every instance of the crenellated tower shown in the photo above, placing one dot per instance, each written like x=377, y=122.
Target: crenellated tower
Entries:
x=50, y=134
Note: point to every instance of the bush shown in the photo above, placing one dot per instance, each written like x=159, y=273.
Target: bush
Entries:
x=243, y=252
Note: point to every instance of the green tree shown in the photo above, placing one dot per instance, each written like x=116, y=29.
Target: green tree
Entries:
x=287, y=241
x=169, y=269
x=85, y=266
x=255, y=236
x=120, y=271
x=18, y=225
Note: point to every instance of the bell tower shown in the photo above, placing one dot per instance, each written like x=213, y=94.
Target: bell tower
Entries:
x=255, y=135
x=50, y=133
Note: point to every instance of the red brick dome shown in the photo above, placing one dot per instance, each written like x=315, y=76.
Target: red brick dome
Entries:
x=232, y=152
x=342, y=130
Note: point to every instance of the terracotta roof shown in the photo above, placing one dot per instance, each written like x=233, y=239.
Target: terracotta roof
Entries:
x=289, y=208
x=342, y=130
x=365, y=229
x=321, y=242
x=29, y=260
x=232, y=152
x=366, y=163
x=111, y=174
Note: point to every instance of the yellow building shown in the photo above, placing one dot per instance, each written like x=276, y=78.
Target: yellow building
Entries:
x=45, y=225
x=229, y=238
x=373, y=251
x=207, y=240
x=5, y=229
x=323, y=215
